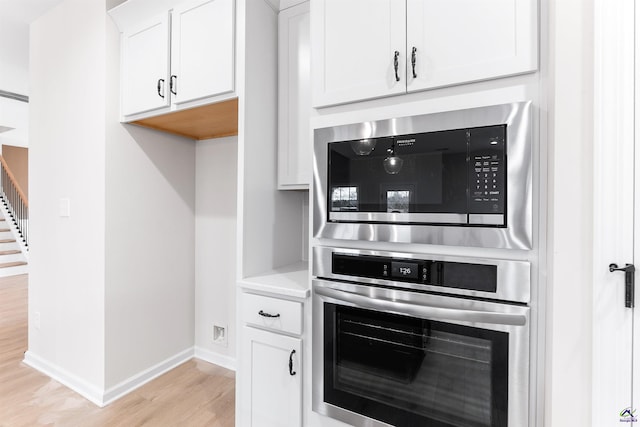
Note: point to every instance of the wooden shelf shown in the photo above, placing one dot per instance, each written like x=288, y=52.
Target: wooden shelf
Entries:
x=206, y=122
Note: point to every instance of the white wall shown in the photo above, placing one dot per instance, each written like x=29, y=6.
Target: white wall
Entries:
x=216, y=227
x=149, y=293
x=14, y=114
x=569, y=309
x=114, y=282
x=14, y=77
x=14, y=51
x=67, y=255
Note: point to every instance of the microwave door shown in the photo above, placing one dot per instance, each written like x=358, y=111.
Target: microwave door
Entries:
x=418, y=178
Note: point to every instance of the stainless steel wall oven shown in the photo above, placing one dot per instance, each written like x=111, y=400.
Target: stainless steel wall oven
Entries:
x=405, y=340
x=455, y=178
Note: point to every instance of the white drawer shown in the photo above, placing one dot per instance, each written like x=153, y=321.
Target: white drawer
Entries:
x=272, y=313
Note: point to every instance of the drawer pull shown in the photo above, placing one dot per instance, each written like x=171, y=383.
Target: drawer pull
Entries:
x=263, y=314
x=291, y=371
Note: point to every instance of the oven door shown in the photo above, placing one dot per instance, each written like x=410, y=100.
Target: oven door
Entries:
x=393, y=357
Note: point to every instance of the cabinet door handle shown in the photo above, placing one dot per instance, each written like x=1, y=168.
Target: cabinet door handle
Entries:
x=291, y=371
x=173, y=84
x=396, y=54
x=161, y=88
x=263, y=314
x=413, y=61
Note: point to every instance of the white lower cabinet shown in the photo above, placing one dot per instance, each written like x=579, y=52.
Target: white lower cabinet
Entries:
x=273, y=379
x=270, y=362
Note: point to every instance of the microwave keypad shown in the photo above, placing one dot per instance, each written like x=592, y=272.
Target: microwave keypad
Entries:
x=487, y=188
x=487, y=175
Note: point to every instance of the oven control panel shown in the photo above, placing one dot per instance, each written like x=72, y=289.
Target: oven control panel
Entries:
x=459, y=275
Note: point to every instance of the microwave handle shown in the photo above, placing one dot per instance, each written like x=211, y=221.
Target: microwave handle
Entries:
x=423, y=311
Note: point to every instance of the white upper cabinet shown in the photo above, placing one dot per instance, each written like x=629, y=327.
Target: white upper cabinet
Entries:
x=459, y=41
x=202, y=57
x=354, y=49
x=145, y=66
x=455, y=41
x=183, y=58
x=294, y=98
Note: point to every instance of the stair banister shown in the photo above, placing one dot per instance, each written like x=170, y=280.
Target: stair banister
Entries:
x=15, y=200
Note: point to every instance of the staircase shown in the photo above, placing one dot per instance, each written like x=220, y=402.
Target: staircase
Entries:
x=12, y=259
x=14, y=224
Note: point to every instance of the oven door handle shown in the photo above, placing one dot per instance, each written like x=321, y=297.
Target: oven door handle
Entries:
x=424, y=311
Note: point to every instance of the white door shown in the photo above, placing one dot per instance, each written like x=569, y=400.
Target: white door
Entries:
x=274, y=379
x=354, y=50
x=616, y=363
x=145, y=67
x=202, y=58
x=458, y=41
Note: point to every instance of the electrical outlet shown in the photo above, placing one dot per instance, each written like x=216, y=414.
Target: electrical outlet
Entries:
x=36, y=319
x=220, y=335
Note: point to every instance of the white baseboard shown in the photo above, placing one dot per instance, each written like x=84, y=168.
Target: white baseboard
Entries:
x=215, y=358
x=95, y=394
x=132, y=383
x=75, y=383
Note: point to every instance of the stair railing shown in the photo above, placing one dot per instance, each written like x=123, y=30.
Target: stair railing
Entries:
x=15, y=200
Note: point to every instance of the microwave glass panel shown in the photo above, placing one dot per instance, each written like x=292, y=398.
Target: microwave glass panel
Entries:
x=455, y=171
x=435, y=164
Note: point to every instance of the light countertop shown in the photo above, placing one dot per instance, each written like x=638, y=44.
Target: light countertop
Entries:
x=291, y=280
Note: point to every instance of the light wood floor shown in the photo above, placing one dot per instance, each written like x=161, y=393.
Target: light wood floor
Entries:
x=192, y=395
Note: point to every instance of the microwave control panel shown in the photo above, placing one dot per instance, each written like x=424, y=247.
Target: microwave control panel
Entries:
x=487, y=175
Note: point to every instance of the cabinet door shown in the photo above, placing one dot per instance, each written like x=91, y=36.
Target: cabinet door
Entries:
x=460, y=41
x=271, y=394
x=202, y=59
x=354, y=49
x=294, y=98
x=145, y=67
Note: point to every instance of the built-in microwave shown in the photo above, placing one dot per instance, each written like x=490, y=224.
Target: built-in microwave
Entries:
x=456, y=178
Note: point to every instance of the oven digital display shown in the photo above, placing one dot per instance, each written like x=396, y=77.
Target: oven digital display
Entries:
x=444, y=274
x=404, y=270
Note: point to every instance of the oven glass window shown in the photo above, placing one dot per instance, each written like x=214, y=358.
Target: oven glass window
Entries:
x=407, y=371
